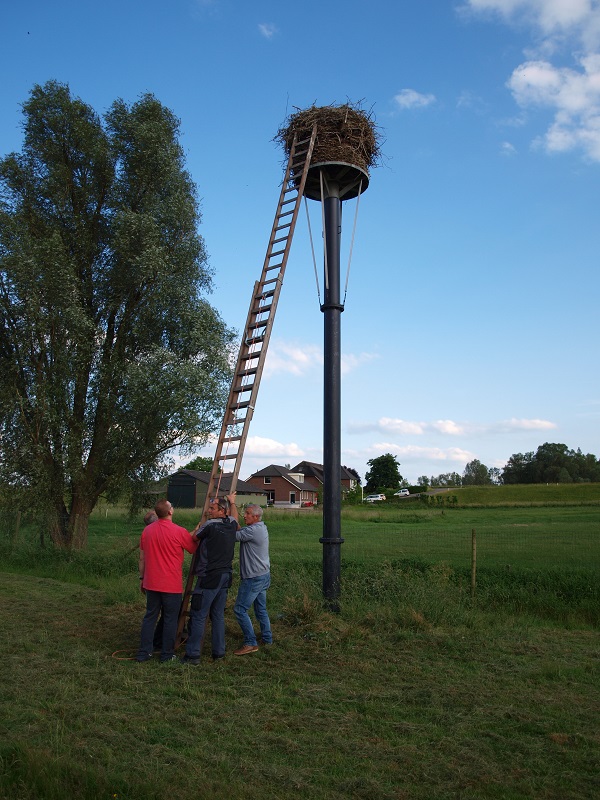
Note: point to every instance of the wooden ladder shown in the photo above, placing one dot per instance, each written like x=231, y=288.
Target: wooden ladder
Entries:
x=255, y=341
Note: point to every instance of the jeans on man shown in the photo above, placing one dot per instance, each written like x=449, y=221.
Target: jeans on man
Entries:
x=207, y=602
x=253, y=592
x=170, y=603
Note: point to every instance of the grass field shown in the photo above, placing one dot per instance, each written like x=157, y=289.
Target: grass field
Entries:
x=414, y=690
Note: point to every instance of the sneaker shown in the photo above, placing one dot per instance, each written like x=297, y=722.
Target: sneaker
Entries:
x=141, y=657
x=247, y=648
x=169, y=658
x=193, y=662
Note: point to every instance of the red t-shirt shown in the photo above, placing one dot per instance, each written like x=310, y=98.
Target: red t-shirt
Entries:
x=163, y=544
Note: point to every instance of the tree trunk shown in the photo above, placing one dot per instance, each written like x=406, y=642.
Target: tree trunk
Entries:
x=69, y=529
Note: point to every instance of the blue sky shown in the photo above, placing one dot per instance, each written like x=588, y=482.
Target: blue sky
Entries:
x=470, y=326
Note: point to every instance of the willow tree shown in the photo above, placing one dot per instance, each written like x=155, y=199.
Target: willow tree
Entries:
x=110, y=354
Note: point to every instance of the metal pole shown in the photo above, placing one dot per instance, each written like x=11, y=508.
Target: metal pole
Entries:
x=332, y=310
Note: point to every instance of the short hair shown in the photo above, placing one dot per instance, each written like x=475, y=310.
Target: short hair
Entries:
x=255, y=510
x=221, y=503
x=150, y=516
x=162, y=509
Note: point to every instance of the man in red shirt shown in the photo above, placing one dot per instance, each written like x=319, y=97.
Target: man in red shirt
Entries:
x=161, y=561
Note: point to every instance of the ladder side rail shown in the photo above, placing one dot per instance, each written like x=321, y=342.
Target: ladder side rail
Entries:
x=244, y=351
x=279, y=280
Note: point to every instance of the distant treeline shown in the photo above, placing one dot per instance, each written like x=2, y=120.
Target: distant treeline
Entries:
x=552, y=463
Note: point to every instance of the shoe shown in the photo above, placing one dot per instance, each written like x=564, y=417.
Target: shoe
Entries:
x=266, y=644
x=168, y=659
x=193, y=662
x=218, y=658
x=247, y=648
x=142, y=657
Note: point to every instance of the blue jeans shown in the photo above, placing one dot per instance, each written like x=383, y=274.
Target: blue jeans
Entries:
x=253, y=592
x=170, y=603
x=207, y=602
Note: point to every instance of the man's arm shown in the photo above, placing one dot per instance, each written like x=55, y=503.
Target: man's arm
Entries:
x=233, y=511
x=142, y=569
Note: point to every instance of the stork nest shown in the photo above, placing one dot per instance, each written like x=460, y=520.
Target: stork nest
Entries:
x=345, y=133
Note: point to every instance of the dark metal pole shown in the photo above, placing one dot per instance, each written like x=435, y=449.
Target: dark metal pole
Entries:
x=332, y=310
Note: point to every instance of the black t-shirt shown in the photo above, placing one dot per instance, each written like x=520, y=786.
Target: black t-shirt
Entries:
x=217, y=543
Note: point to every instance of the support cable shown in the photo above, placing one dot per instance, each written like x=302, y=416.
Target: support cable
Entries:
x=312, y=248
x=352, y=242
x=324, y=234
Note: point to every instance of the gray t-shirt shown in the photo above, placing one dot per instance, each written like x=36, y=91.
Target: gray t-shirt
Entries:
x=254, y=550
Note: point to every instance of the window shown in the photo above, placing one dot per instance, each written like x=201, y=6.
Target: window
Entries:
x=267, y=479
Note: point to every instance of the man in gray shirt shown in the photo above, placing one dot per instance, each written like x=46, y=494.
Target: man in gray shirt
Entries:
x=255, y=576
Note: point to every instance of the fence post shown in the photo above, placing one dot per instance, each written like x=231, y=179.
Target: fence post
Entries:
x=473, y=562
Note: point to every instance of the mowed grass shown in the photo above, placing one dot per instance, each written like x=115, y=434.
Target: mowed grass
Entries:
x=414, y=690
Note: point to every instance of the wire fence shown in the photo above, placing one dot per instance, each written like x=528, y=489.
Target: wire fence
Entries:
x=509, y=547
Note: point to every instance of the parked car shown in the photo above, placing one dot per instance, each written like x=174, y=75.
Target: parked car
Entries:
x=373, y=498
x=402, y=493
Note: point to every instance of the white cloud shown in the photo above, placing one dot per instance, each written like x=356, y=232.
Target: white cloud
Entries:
x=267, y=29
x=297, y=358
x=399, y=426
x=293, y=358
x=573, y=95
x=408, y=98
x=448, y=427
x=258, y=446
x=412, y=453
x=572, y=92
x=507, y=149
x=549, y=16
x=352, y=361
x=526, y=425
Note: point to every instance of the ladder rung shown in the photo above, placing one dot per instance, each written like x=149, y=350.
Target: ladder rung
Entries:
x=239, y=406
x=255, y=339
x=274, y=266
x=247, y=372
x=271, y=280
x=281, y=227
x=277, y=253
x=231, y=439
x=242, y=389
x=285, y=214
x=262, y=310
x=228, y=456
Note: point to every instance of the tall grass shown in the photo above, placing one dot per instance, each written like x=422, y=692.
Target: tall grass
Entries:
x=414, y=690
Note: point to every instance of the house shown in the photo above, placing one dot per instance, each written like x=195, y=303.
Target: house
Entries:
x=187, y=489
x=313, y=475
x=284, y=487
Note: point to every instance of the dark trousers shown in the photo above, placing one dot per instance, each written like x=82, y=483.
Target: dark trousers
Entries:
x=169, y=603
x=208, y=602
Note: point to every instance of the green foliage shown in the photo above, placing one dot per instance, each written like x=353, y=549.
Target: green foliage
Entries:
x=201, y=464
x=446, y=479
x=353, y=496
x=384, y=474
x=109, y=354
x=551, y=463
x=476, y=474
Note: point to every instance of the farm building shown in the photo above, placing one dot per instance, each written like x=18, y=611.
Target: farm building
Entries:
x=187, y=489
x=284, y=487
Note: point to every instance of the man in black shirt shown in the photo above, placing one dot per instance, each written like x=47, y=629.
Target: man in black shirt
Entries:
x=213, y=567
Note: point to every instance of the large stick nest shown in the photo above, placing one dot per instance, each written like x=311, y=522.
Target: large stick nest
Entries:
x=345, y=133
